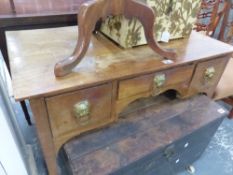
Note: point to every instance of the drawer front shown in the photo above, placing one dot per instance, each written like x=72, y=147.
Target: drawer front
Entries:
x=207, y=76
x=157, y=82
x=79, y=111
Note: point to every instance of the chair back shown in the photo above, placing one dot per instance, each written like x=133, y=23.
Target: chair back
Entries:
x=216, y=19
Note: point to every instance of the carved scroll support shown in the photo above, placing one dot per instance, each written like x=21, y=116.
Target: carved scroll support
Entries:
x=90, y=12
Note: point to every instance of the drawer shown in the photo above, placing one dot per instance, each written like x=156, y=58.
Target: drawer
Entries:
x=158, y=81
x=80, y=111
x=207, y=76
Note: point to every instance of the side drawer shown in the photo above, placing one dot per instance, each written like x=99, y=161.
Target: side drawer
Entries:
x=80, y=111
x=207, y=76
x=158, y=81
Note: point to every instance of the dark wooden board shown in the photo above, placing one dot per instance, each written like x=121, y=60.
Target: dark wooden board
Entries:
x=149, y=140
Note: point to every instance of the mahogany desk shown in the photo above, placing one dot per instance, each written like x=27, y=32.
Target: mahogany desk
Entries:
x=105, y=82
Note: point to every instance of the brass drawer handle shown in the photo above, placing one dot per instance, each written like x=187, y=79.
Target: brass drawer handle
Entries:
x=159, y=80
x=82, y=111
x=209, y=73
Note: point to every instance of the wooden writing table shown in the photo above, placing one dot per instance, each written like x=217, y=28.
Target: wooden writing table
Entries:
x=105, y=82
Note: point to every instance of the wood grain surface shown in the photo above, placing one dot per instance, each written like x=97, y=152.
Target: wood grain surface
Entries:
x=109, y=78
x=64, y=121
x=39, y=110
x=200, y=84
x=32, y=62
x=92, y=11
x=145, y=83
x=146, y=131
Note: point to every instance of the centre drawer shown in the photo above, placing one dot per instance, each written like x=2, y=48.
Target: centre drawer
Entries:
x=161, y=80
x=80, y=111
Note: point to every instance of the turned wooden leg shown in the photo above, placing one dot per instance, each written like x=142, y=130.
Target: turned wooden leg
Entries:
x=44, y=133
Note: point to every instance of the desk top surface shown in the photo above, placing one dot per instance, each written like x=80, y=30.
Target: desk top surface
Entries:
x=33, y=54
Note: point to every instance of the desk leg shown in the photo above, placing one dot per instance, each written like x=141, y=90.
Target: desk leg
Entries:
x=44, y=133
